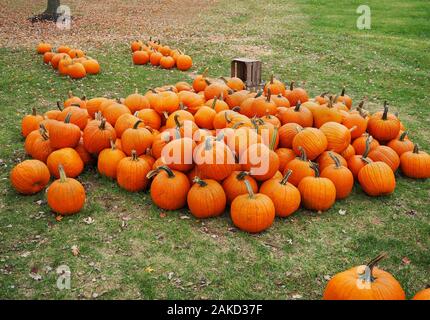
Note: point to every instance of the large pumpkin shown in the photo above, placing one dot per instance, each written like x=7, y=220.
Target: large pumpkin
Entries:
x=312, y=140
x=377, y=178
x=234, y=185
x=64, y=134
x=70, y=161
x=338, y=136
x=131, y=173
x=97, y=136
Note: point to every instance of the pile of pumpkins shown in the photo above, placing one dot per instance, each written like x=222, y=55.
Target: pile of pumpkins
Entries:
x=156, y=54
x=315, y=150
x=68, y=61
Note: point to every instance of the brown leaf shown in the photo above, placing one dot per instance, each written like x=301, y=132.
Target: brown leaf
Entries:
x=75, y=250
x=406, y=261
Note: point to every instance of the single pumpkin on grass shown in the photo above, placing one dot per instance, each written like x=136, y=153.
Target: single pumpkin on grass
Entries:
x=140, y=57
x=29, y=176
x=184, y=62
x=415, y=164
x=169, y=188
x=69, y=159
x=131, y=173
x=43, y=47
x=341, y=177
x=66, y=196
x=108, y=161
x=252, y=212
x=365, y=282
x=206, y=198
x=285, y=196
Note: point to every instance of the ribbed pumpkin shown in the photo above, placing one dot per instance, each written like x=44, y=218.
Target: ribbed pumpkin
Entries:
x=326, y=159
x=252, y=212
x=298, y=114
x=341, y=177
x=136, y=102
x=356, y=122
x=338, y=136
x=359, y=144
x=285, y=155
x=383, y=126
x=178, y=153
x=415, y=164
x=64, y=134
x=423, y=294
x=137, y=139
x=300, y=168
x=85, y=156
x=79, y=116
x=215, y=89
x=108, y=161
x=69, y=159
x=37, y=144
x=65, y=196
x=169, y=188
x=326, y=113
x=387, y=155
x=125, y=122
x=377, y=178
x=29, y=176
x=348, y=152
x=401, y=144
x=285, y=196
x=206, y=198
x=287, y=133
x=97, y=136
x=234, y=184
x=166, y=101
x=365, y=282
x=312, y=140
x=113, y=111
x=204, y=117
x=357, y=162
x=93, y=106
x=318, y=193
x=150, y=118
x=131, y=173
x=30, y=123
x=274, y=86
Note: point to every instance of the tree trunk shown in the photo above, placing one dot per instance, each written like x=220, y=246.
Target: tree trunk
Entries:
x=49, y=14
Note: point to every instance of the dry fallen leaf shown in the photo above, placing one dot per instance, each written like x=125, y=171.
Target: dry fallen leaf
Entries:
x=149, y=270
x=75, y=250
x=163, y=214
x=58, y=218
x=35, y=276
x=406, y=260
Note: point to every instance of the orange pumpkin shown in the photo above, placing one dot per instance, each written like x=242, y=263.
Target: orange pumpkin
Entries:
x=312, y=140
x=108, y=161
x=341, y=177
x=206, y=198
x=377, y=178
x=29, y=176
x=415, y=164
x=401, y=144
x=383, y=126
x=338, y=136
x=136, y=139
x=131, y=173
x=387, y=155
x=30, y=123
x=69, y=159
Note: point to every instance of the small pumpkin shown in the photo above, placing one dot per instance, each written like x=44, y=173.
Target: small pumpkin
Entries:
x=131, y=173
x=137, y=139
x=37, y=144
x=415, y=164
x=206, y=198
x=287, y=132
x=274, y=86
x=300, y=168
x=30, y=123
x=285, y=155
x=65, y=196
x=383, y=126
x=140, y=57
x=199, y=82
x=401, y=144
x=341, y=177
x=326, y=159
x=30, y=176
x=69, y=159
x=296, y=94
x=360, y=143
x=43, y=47
x=150, y=118
x=377, y=178
x=184, y=62
x=136, y=102
x=113, y=111
x=234, y=184
x=108, y=161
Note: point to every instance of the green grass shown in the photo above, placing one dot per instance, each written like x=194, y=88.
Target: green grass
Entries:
x=176, y=257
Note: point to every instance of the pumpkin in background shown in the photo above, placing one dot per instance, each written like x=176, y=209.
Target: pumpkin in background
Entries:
x=69, y=159
x=64, y=134
x=285, y=196
x=326, y=113
x=85, y=156
x=318, y=193
x=383, y=126
x=387, y=155
x=131, y=173
x=312, y=140
x=150, y=118
x=97, y=136
x=155, y=58
x=206, y=198
x=423, y=294
x=166, y=101
x=136, y=102
x=29, y=176
x=234, y=185
x=377, y=178
x=252, y=212
x=365, y=282
x=204, y=117
x=401, y=144
x=215, y=89
x=140, y=57
x=125, y=122
x=296, y=94
x=47, y=57
x=76, y=70
x=357, y=162
x=137, y=139
x=341, y=177
x=93, y=106
x=338, y=136
x=43, y=47
x=136, y=45
x=65, y=196
x=300, y=168
x=30, y=123
x=415, y=164
x=344, y=98
x=274, y=86
x=113, y=111
x=234, y=83
x=298, y=114
x=167, y=62
x=169, y=188
x=184, y=62
x=348, y=152
x=199, y=82
x=79, y=116
x=91, y=66
x=356, y=122
x=108, y=161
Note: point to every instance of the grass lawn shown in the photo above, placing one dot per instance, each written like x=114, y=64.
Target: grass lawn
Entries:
x=131, y=251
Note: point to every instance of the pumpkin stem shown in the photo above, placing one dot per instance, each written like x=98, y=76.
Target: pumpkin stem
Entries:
x=200, y=182
x=220, y=137
x=43, y=132
x=102, y=125
x=314, y=167
x=68, y=116
x=385, y=114
x=368, y=276
x=169, y=171
x=403, y=136
x=269, y=95
x=226, y=116
x=33, y=111
x=274, y=137
x=322, y=95
x=63, y=177
x=416, y=148
x=177, y=133
x=342, y=94
x=259, y=93
x=208, y=145
x=236, y=109
x=272, y=77
x=136, y=125
x=292, y=86
x=70, y=94
x=112, y=144
x=297, y=107
x=134, y=156
x=249, y=189
x=335, y=159
x=367, y=148
x=303, y=155
x=59, y=106
x=207, y=82
x=237, y=125
x=205, y=73
x=241, y=175
x=176, y=118
x=286, y=176
x=214, y=102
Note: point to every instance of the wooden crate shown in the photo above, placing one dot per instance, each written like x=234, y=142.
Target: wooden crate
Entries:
x=249, y=70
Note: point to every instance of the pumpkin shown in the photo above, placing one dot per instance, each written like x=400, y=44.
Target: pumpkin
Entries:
x=64, y=134
x=287, y=132
x=140, y=57
x=93, y=106
x=76, y=70
x=184, y=62
x=169, y=188
x=285, y=196
x=160, y=141
x=136, y=45
x=341, y=177
x=76, y=53
x=214, y=159
x=423, y=294
x=131, y=173
x=312, y=140
x=64, y=64
x=377, y=178
x=125, y=122
x=274, y=86
x=69, y=159
x=252, y=212
x=108, y=161
x=235, y=99
x=37, y=144
x=401, y=144
x=296, y=94
x=234, y=184
x=204, y=117
x=415, y=164
x=338, y=136
x=85, y=156
x=136, y=102
x=206, y=198
x=43, y=47
x=47, y=57
x=30, y=123
x=300, y=168
x=298, y=114
x=241, y=139
x=356, y=122
x=234, y=83
x=359, y=144
x=383, y=126
x=113, y=111
x=199, y=82
x=365, y=282
x=56, y=59
x=150, y=118
x=326, y=113
x=79, y=116
x=387, y=155
x=191, y=101
x=258, y=106
x=268, y=118
x=177, y=118
x=166, y=101
x=357, y=162
x=318, y=193
x=348, y=152
x=97, y=136
x=285, y=155
x=155, y=58
x=137, y=139
x=344, y=98
x=178, y=153
x=217, y=103
x=215, y=89
x=29, y=176
x=167, y=62
x=326, y=159
x=66, y=196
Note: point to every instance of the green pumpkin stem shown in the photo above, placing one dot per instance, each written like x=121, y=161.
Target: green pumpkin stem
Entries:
x=68, y=116
x=63, y=177
x=314, y=167
x=136, y=125
x=259, y=93
x=43, y=132
x=59, y=106
x=249, y=189
x=200, y=182
x=214, y=102
x=273, y=140
x=286, y=177
x=367, y=149
x=269, y=95
x=342, y=94
x=367, y=275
